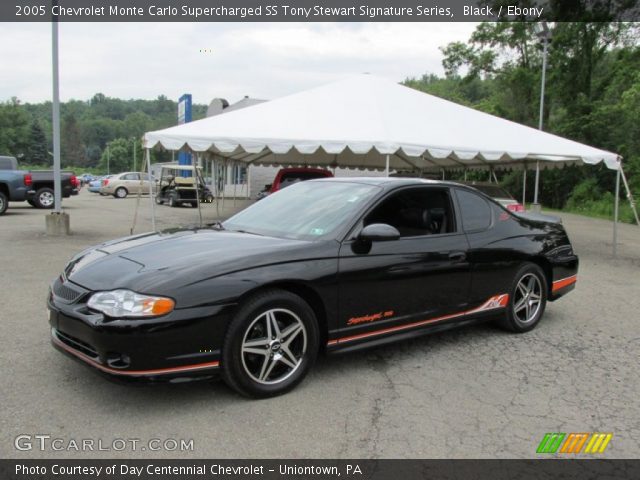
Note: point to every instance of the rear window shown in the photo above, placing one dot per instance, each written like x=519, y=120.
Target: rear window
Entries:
x=295, y=177
x=493, y=191
x=475, y=210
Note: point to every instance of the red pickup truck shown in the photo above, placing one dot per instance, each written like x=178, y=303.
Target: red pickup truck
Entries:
x=289, y=176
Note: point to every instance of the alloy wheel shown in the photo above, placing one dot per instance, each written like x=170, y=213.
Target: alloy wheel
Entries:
x=527, y=298
x=273, y=346
x=46, y=199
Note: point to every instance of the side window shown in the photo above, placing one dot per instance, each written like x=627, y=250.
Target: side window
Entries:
x=132, y=176
x=416, y=212
x=475, y=211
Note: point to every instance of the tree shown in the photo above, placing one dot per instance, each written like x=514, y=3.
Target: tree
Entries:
x=38, y=149
x=71, y=147
x=119, y=156
x=14, y=129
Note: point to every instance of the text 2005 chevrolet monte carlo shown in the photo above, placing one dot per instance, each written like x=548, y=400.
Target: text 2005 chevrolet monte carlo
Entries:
x=325, y=265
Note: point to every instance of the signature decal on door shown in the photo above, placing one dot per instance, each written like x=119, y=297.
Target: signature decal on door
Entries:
x=370, y=318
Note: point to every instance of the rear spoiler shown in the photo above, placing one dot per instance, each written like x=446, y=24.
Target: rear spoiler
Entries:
x=538, y=217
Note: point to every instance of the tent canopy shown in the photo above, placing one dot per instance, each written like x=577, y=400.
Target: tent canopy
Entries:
x=358, y=121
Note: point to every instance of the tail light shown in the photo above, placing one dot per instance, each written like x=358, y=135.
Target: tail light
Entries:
x=74, y=181
x=28, y=180
x=105, y=182
x=515, y=207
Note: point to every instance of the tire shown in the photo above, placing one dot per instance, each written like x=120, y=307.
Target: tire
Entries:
x=159, y=200
x=287, y=356
x=208, y=198
x=173, y=200
x=121, y=192
x=44, y=198
x=523, y=315
x=193, y=204
x=4, y=203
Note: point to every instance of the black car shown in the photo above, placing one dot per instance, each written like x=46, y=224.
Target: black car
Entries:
x=326, y=265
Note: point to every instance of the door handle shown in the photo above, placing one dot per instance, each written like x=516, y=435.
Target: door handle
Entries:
x=457, y=256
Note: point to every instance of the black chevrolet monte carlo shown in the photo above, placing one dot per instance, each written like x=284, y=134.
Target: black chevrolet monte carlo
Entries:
x=327, y=265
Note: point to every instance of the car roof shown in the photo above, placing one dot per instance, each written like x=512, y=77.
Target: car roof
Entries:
x=388, y=182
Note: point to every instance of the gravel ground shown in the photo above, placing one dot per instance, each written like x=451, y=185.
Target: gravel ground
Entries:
x=476, y=392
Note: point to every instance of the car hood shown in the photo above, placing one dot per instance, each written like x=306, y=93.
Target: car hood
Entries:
x=154, y=262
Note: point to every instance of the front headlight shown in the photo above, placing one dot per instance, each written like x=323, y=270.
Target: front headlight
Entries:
x=125, y=303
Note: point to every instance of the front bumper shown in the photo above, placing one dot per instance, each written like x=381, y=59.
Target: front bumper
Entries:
x=183, y=345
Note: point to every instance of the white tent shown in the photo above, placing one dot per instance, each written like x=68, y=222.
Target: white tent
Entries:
x=368, y=122
x=358, y=121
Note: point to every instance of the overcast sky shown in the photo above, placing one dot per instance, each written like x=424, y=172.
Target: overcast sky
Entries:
x=144, y=60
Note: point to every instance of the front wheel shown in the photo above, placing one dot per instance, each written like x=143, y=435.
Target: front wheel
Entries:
x=4, y=203
x=270, y=345
x=121, y=192
x=527, y=299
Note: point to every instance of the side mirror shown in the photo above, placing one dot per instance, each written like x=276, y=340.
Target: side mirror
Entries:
x=379, y=232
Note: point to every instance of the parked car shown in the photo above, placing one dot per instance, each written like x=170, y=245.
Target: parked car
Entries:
x=289, y=176
x=182, y=185
x=327, y=265
x=126, y=183
x=87, y=178
x=35, y=187
x=499, y=194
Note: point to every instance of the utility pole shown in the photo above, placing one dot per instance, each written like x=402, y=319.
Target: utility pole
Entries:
x=56, y=223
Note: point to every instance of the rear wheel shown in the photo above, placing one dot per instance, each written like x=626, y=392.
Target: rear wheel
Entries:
x=159, y=200
x=121, y=192
x=193, y=204
x=173, y=200
x=4, y=203
x=44, y=198
x=270, y=345
x=527, y=299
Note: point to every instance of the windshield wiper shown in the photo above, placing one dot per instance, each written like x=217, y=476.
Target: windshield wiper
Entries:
x=216, y=225
x=245, y=231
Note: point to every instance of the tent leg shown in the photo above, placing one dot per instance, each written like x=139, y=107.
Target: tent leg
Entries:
x=465, y=175
x=386, y=169
x=616, y=204
x=494, y=176
x=524, y=187
x=151, y=200
x=536, y=205
x=632, y=202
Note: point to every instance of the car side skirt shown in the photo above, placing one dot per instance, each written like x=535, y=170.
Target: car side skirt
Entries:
x=495, y=304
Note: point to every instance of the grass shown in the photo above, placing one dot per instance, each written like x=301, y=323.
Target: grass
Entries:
x=600, y=209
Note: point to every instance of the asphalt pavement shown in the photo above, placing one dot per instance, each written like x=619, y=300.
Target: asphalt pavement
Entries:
x=477, y=392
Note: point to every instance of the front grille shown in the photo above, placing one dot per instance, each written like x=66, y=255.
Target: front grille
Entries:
x=76, y=344
x=66, y=292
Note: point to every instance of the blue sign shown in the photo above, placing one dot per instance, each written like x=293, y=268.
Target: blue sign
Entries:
x=184, y=116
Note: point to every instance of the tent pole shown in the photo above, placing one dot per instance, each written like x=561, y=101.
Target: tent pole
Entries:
x=524, y=187
x=536, y=205
x=234, y=171
x=495, y=176
x=151, y=200
x=196, y=177
x=632, y=202
x=386, y=169
x=465, y=174
x=616, y=204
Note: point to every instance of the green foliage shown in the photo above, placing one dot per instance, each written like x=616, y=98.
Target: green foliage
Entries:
x=592, y=96
x=118, y=157
x=15, y=129
x=37, y=149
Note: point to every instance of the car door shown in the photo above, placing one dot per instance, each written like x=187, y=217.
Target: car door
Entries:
x=133, y=183
x=422, y=276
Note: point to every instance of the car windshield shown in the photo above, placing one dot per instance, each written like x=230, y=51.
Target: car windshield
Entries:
x=304, y=211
